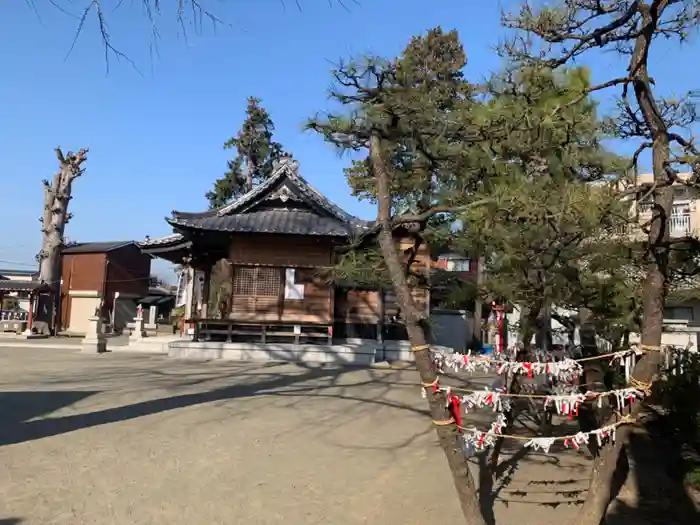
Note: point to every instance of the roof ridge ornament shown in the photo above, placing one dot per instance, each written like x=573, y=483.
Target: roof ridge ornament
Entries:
x=286, y=159
x=283, y=193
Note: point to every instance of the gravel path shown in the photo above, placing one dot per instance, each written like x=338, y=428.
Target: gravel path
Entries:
x=136, y=439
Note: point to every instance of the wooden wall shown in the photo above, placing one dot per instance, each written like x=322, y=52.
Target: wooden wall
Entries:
x=128, y=272
x=82, y=272
x=273, y=254
x=362, y=306
x=289, y=251
x=421, y=266
x=357, y=307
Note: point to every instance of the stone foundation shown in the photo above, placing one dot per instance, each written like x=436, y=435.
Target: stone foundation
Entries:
x=286, y=352
x=353, y=352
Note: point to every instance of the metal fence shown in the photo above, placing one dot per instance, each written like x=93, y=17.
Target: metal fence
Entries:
x=12, y=315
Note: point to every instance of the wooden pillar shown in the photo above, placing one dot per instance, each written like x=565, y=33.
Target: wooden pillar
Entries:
x=380, y=317
x=191, y=304
x=189, y=293
x=30, y=314
x=206, y=291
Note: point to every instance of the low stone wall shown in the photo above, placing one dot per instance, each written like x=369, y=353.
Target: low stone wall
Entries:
x=147, y=345
x=351, y=352
x=287, y=352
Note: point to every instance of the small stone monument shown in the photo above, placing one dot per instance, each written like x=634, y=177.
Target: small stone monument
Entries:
x=139, y=329
x=94, y=341
x=152, y=316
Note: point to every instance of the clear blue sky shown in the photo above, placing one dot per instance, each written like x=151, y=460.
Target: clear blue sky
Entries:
x=156, y=139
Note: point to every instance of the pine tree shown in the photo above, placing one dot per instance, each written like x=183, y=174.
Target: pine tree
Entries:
x=566, y=31
x=412, y=116
x=228, y=187
x=256, y=153
x=506, y=164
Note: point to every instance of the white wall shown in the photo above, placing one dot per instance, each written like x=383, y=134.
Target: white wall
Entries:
x=451, y=328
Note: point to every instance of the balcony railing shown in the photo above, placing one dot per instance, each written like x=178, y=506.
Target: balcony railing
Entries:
x=680, y=225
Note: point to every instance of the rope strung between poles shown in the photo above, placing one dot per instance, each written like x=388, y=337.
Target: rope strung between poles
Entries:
x=444, y=422
x=566, y=369
x=476, y=440
x=641, y=386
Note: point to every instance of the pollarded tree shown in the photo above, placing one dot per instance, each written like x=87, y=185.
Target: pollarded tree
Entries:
x=256, y=153
x=57, y=196
x=569, y=30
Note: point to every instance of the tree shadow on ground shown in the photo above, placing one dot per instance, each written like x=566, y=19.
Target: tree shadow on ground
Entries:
x=498, y=487
x=17, y=407
x=18, y=430
x=10, y=521
x=17, y=426
x=488, y=492
x=660, y=496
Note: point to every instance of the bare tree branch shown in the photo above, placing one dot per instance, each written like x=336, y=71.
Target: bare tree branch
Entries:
x=188, y=14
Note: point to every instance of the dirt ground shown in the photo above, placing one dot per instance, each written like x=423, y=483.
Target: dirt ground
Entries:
x=137, y=439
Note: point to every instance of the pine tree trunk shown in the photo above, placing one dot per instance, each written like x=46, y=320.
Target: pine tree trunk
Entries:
x=590, y=416
x=55, y=216
x=543, y=337
x=656, y=282
x=477, y=338
x=448, y=435
x=250, y=170
x=528, y=324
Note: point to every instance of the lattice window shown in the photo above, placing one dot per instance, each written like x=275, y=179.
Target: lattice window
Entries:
x=244, y=281
x=269, y=282
x=257, y=281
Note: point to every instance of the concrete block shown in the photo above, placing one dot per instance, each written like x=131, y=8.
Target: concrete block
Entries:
x=94, y=341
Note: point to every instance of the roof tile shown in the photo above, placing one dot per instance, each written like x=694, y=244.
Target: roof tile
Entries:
x=287, y=221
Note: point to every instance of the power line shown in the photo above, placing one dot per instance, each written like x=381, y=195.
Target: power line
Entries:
x=14, y=247
x=15, y=263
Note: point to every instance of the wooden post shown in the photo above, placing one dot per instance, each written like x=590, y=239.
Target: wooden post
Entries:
x=30, y=314
x=190, y=303
x=380, y=317
x=206, y=292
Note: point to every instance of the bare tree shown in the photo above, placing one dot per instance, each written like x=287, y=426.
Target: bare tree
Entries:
x=189, y=15
x=57, y=195
x=568, y=30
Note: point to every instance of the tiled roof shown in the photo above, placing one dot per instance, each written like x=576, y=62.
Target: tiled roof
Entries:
x=323, y=217
x=95, y=247
x=173, y=238
x=299, y=222
x=21, y=286
x=26, y=273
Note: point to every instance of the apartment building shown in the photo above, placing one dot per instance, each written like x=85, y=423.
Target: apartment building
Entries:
x=681, y=316
x=685, y=221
